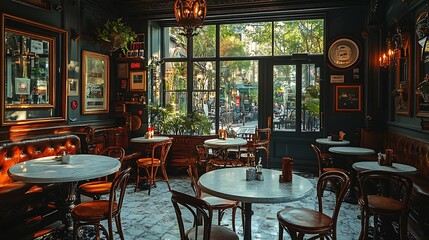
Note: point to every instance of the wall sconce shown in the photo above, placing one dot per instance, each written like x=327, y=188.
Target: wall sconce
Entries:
x=395, y=48
x=384, y=61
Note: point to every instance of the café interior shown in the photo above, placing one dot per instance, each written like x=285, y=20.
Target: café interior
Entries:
x=204, y=119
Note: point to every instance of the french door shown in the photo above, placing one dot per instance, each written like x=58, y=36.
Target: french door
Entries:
x=293, y=108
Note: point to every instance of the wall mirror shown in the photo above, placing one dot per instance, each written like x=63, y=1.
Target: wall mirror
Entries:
x=422, y=65
x=31, y=85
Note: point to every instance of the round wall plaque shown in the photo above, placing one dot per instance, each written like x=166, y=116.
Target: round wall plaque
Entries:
x=343, y=53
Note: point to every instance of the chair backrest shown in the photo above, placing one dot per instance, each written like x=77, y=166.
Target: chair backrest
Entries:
x=263, y=135
x=374, y=183
x=117, y=192
x=200, y=210
x=162, y=149
x=115, y=152
x=340, y=182
x=319, y=158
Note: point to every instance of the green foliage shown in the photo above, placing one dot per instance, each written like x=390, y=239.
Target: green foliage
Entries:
x=170, y=122
x=115, y=35
x=311, y=100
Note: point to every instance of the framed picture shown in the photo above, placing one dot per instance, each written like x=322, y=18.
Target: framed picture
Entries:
x=73, y=87
x=122, y=70
x=343, y=53
x=95, y=83
x=42, y=4
x=22, y=86
x=348, y=98
x=138, y=81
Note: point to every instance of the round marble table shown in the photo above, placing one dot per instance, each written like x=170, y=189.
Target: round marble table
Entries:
x=326, y=141
x=228, y=142
x=396, y=167
x=51, y=170
x=353, y=151
x=155, y=139
x=230, y=183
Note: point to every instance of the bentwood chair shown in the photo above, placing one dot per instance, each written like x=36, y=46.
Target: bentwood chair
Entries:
x=300, y=221
x=324, y=161
x=216, y=203
x=151, y=164
x=93, y=212
x=262, y=142
x=95, y=189
x=202, y=215
x=384, y=194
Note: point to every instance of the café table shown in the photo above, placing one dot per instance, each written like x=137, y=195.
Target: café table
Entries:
x=351, y=152
x=396, y=167
x=329, y=142
x=231, y=183
x=223, y=146
x=154, y=139
x=81, y=167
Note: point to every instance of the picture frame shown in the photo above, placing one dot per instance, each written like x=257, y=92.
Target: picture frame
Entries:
x=73, y=87
x=348, y=98
x=22, y=86
x=122, y=69
x=343, y=53
x=95, y=83
x=42, y=4
x=138, y=81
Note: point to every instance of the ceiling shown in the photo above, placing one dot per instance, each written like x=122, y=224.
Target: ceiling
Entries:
x=158, y=9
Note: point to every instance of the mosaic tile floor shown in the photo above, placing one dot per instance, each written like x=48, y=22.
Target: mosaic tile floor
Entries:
x=153, y=217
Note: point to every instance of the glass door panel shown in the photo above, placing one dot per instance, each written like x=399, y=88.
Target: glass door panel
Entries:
x=284, y=98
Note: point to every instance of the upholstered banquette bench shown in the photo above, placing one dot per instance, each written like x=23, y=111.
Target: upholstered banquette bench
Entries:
x=414, y=152
x=28, y=208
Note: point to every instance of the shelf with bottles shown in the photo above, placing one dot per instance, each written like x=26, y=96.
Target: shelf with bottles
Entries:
x=136, y=48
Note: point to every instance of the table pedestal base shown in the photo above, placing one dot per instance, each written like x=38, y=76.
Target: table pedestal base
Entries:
x=247, y=221
x=68, y=198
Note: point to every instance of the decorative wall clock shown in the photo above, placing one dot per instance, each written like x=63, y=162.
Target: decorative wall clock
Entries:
x=343, y=53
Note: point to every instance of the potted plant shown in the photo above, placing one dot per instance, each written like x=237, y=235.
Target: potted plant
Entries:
x=115, y=35
x=423, y=89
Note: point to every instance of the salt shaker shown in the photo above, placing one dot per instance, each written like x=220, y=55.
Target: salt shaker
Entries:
x=65, y=159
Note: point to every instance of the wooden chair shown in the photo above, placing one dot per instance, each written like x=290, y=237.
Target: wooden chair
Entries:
x=384, y=194
x=93, y=212
x=95, y=189
x=216, y=203
x=300, y=221
x=202, y=213
x=324, y=161
x=262, y=142
x=151, y=164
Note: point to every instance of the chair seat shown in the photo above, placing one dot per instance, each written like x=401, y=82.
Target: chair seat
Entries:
x=303, y=218
x=383, y=205
x=145, y=162
x=219, y=203
x=93, y=211
x=95, y=188
x=216, y=233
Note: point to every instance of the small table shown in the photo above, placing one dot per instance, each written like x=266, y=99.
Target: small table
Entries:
x=51, y=170
x=155, y=139
x=230, y=183
x=225, y=143
x=352, y=152
x=326, y=141
x=396, y=167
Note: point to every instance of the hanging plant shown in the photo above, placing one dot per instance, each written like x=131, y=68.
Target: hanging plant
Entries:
x=115, y=35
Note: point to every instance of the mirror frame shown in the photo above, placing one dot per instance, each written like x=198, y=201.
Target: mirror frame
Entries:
x=56, y=80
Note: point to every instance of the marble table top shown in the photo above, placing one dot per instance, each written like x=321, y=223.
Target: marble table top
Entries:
x=355, y=151
x=51, y=170
x=396, y=167
x=149, y=140
x=230, y=183
x=228, y=142
x=326, y=141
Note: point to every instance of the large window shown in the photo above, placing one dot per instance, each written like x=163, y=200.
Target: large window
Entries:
x=218, y=75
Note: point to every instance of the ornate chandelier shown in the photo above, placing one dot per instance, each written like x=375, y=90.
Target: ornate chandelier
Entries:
x=190, y=15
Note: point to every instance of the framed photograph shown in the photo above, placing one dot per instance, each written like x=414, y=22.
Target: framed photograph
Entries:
x=22, y=86
x=343, y=53
x=73, y=87
x=95, y=83
x=122, y=70
x=348, y=98
x=138, y=81
x=42, y=4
